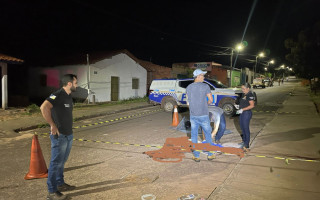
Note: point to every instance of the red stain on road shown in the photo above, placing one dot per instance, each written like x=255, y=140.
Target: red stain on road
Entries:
x=174, y=150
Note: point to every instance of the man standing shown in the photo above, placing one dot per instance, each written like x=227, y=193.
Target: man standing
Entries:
x=57, y=111
x=197, y=94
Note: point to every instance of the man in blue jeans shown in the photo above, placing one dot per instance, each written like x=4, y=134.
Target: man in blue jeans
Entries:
x=216, y=115
x=57, y=111
x=197, y=95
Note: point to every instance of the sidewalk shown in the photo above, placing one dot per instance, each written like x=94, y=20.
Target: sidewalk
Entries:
x=286, y=136
x=14, y=119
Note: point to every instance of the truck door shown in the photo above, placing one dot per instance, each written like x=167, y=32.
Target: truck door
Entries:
x=213, y=92
x=181, y=86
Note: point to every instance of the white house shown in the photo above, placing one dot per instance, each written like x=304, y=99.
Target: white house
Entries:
x=109, y=76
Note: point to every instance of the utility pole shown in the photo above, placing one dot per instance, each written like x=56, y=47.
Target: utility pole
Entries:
x=88, y=78
x=231, y=68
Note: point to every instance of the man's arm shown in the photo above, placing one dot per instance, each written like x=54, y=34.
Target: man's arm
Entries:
x=210, y=98
x=46, y=113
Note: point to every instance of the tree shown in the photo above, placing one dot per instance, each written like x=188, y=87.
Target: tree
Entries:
x=304, y=53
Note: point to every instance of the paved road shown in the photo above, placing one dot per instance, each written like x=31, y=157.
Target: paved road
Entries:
x=111, y=164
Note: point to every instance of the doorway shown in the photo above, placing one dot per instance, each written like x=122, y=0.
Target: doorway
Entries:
x=114, y=88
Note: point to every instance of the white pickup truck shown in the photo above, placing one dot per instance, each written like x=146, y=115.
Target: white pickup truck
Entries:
x=171, y=92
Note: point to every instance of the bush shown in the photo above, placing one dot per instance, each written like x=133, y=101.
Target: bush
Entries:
x=33, y=108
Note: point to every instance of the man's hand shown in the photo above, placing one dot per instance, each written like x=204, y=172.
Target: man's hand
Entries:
x=54, y=130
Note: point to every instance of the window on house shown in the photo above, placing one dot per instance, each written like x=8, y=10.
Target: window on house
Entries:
x=43, y=80
x=135, y=83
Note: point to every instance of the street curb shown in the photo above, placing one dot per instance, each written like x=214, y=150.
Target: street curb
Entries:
x=84, y=117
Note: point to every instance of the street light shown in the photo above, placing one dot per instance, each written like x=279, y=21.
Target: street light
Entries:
x=255, y=66
x=238, y=48
x=272, y=62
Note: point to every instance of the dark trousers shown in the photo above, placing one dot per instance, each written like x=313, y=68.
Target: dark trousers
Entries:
x=245, y=118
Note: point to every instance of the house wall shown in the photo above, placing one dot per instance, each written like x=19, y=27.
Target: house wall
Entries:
x=45, y=80
x=154, y=72
x=120, y=65
x=180, y=69
x=236, y=75
x=219, y=74
x=249, y=75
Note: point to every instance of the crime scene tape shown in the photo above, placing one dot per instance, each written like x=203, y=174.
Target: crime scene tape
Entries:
x=154, y=146
x=267, y=111
x=106, y=142
x=159, y=146
x=116, y=119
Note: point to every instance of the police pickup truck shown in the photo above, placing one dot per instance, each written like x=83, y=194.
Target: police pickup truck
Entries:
x=171, y=92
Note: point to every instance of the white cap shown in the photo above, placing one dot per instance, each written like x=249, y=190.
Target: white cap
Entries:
x=197, y=72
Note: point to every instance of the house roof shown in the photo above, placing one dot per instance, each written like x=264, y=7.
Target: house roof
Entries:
x=10, y=59
x=149, y=66
x=81, y=59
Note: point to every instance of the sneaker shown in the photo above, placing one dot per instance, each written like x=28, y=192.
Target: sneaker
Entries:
x=196, y=159
x=66, y=187
x=56, y=196
x=211, y=157
x=245, y=149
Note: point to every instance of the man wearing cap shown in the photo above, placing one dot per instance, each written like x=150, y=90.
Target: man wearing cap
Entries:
x=197, y=95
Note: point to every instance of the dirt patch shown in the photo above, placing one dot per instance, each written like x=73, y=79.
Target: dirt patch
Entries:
x=14, y=113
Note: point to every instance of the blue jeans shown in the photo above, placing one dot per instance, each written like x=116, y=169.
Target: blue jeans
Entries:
x=60, y=150
x=245, y=118
x=222, y=127
x=204, y=123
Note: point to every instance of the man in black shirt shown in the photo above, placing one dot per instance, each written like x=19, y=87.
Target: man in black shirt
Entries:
x=57, y=111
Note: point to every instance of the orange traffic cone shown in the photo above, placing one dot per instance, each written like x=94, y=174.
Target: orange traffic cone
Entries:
x=38, y=167
x=175, y=118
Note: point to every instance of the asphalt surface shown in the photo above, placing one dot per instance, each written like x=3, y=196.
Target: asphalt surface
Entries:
x=107, y=160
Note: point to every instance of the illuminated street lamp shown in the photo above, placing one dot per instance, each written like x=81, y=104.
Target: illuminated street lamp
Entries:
x=238, y=48
x=261, y=55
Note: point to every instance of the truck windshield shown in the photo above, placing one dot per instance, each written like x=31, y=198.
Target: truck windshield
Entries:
x=216, y=83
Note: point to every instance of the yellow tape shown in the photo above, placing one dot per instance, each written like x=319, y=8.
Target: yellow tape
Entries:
x=159, y=147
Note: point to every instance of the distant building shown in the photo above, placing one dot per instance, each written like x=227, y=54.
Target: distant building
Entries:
x=155, y=71
x=4, y=61
x=215, y=70
x=109, y=76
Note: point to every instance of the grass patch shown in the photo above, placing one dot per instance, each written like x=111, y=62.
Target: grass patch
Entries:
x=124, y=101
x=31, y=109
x=43, y=125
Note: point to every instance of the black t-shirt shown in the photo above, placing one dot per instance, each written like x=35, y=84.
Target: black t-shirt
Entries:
x=61, y=111
x=245, y=98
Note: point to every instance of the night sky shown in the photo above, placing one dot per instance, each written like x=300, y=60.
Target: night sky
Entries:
x=160, y=31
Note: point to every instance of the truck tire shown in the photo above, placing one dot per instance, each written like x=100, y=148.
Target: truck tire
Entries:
x=168, y=104
x=227, y=106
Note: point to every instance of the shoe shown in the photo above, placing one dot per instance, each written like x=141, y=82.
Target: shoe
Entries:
x=211, y=157
x=56, y=196
x=196, y=159
x=66, y=187
x=217, y=142
x=245, y=149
